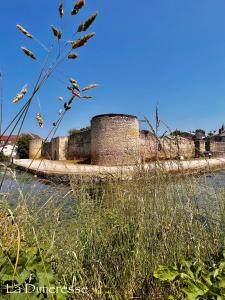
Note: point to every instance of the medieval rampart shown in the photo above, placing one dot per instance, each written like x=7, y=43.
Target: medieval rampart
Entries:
x=35, y=147
x=79, y=146
x=114, y=140
x=59, y=148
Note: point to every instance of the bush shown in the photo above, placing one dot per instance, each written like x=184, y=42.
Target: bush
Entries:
x=23, y=146
x=76, y=131
x=195, y=279
x=3, y=158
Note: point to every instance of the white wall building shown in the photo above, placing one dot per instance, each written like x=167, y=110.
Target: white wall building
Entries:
x=9, y=151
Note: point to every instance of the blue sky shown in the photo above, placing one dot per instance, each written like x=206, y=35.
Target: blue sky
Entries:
x=170, y=52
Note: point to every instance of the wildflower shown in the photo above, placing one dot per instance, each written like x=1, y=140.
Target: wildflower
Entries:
x=91, y=86
x=28, y=52
x=60, y=98
x=82, y=41
x=72, y=56
x=78, y=5
x=57, y=33
x=61, y=11
x=24, y=31
x=40, y=120
x=20, y=95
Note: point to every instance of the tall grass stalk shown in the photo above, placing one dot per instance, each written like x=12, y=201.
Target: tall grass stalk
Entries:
x=108, y=238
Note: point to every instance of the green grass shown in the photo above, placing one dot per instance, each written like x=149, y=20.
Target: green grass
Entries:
x=117, y=233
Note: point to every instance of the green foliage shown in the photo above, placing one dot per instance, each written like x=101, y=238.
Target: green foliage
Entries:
x=197, y=279
x=23, y=146
x=123, y=230
x=76, y=131
x=200, y=131
x=210, y=134
x=3, y=158
x=178, y=133
x=33, y=278
x=115, y=234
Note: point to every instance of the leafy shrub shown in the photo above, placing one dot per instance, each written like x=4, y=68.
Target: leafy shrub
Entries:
x=23, y=146
x=3, y=158
x=75, y=131
x=197, y=279
x=26, y=270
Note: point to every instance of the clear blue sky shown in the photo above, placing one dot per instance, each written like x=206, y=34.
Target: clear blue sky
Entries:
x=170, y=52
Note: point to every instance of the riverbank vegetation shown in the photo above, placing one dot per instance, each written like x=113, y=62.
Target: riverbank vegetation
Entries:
x=99, y=240
x=108, y=242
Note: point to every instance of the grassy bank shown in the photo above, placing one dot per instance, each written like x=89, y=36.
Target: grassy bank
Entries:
x=111, y=240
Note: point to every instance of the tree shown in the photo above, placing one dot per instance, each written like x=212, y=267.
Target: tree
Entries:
x=177, y=133
x=200, y=131
x=75, y=131
x=23, y=146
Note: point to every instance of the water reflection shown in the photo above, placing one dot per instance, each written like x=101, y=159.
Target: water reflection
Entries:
x=19, y=185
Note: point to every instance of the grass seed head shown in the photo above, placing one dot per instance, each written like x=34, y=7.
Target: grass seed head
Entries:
x=24, y=90
x=71, y=100
x=20, y=95
x=89, y=21
x=73, y=81
x=80, y=27
x=76, y=87
x=87, y=97
x=82, y=41
x=40, y=120
x=89, y=87
x=70, y=88
x=72, y=56
x=75, y=84
x=28, y=52
x=60, y=112
x=76, y=94
x=17, y=98
x=24, y=31
x=57, y=33
x=60, y=98
x=78, y=5
x=67, y=106
x=61, y=11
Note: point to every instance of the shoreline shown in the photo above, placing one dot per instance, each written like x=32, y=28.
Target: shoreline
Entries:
x=61, y=172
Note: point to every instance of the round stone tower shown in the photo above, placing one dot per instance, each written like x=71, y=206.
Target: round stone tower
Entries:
x=114, y=140
x=35, y=147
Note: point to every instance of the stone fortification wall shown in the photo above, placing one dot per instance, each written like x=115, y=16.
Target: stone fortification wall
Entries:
x=46, y=152
x=217, y=149
x=59, y=148
x=200, y=148
x=79, y=146
x=148, y=146
x=177, y=146
x=152, y=148
x=35, y=147
x=114, y=140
